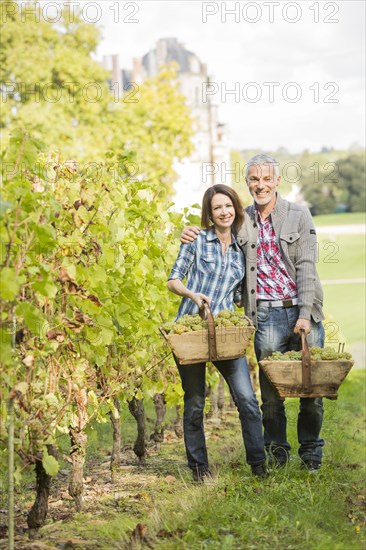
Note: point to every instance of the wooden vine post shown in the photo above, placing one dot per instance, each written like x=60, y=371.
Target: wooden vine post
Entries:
x=11, y=453
x=11, y=473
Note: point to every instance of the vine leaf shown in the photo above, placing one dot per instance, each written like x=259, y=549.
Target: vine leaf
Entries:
x=50, y=464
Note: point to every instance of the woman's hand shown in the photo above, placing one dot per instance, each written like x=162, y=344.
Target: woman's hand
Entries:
x=176, y=286
x=189, y=234
x=199, y=298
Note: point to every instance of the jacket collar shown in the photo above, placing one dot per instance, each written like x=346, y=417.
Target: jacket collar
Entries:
x=278, y=213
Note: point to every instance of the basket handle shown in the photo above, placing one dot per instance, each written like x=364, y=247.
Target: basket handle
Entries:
x=305, y=363
x=212, y=348
x=250, y=322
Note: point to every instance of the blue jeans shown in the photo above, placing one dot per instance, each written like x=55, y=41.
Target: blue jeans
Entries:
x=236, y=374
x=275, y=333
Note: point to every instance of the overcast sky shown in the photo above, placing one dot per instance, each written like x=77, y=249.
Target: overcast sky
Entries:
x=327, y=56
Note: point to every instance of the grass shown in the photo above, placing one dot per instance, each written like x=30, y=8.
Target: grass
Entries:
x=340, y=219
x=99, y=435
x=343, y=257
x=346, y=303
x=291, y=509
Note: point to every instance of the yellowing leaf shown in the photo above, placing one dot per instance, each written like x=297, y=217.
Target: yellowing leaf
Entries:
x=50, y=464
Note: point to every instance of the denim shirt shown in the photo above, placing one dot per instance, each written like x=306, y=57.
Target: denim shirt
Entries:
x=209, y=272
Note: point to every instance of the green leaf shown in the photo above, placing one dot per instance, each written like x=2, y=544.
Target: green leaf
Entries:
x=9, y=283
x=6, y=352
x=46, y=238
x=46, y=288
x=32, y=316
x=50, y=464
x=20, y=142
x=4, y=206
x=106, y=335
x=18, y=474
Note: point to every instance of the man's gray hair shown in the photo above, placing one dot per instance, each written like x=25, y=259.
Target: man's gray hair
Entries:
x=262, y=158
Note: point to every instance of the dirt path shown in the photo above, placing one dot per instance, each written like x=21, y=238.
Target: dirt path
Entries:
x=354, y=229
x=343, y=281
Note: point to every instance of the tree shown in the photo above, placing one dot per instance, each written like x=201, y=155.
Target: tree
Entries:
x=351, y=182
x=319, y=195
x=51, y=85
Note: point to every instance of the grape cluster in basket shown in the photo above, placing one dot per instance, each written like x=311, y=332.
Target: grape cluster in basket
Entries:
x=316, y=354
x=189, y=323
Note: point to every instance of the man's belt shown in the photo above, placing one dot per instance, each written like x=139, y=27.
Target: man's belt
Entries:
x=278, y=303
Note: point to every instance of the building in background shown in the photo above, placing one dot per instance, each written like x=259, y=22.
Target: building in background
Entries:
x=210, y=161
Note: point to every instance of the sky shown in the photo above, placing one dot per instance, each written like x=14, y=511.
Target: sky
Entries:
x=311, y=52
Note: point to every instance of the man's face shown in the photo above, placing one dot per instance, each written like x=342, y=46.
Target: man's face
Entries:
x=263, y=182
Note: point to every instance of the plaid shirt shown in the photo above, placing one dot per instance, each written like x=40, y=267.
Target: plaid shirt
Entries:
x=273, y=280
x=209, y=272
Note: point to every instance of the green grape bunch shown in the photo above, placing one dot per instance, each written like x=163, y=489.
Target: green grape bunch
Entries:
x=179, y=329
x=316, y=354
x=194, y=323
x=168, y=326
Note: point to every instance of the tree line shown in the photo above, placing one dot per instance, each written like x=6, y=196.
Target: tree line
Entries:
x=327, y=182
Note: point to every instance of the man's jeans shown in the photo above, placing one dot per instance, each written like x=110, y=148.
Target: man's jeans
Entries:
x=236, y=374
x=275, y=333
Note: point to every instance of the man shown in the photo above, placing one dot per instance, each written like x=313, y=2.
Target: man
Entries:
x=282, y=294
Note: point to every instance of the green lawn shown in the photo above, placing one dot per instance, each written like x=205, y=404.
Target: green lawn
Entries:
x=341, y=256
x=340, y=219
x=345, y=306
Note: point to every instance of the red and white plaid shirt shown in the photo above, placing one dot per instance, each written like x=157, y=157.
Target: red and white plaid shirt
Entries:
x=273, y=280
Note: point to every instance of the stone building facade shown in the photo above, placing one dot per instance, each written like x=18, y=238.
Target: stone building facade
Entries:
x=211, y=156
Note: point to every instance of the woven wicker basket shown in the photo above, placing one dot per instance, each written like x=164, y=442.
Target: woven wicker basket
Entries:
x=214, y=343
x=306, y=378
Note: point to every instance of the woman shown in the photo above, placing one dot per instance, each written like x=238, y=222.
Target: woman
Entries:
x=214, y=266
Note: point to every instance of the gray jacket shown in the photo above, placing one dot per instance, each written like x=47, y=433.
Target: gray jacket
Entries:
x=295, y=234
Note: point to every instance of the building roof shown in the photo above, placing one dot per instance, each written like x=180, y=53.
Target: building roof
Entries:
x=174, y=51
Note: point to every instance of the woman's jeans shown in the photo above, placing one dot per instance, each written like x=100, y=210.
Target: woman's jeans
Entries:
x=275, y=333
x=236, y=374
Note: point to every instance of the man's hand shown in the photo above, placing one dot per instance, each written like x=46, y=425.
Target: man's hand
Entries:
x=302, y=324
x=189, y=234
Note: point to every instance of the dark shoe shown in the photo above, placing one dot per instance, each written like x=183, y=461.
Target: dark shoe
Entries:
x=276, y=463
x=311, y=466
x=202, y=475
x=259, y=470
x=277, y=457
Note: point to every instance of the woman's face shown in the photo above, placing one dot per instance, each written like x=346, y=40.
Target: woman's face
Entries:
x=222, y=211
